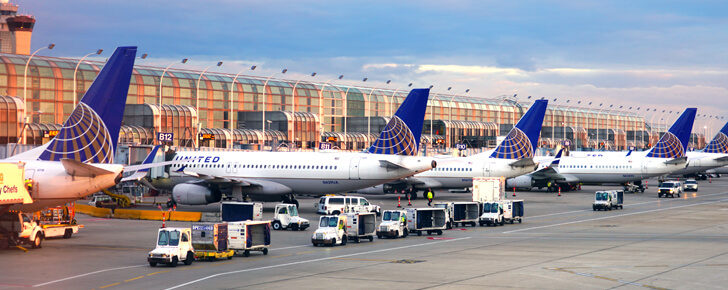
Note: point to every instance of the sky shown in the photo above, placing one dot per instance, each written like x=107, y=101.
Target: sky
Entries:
x=664, y=55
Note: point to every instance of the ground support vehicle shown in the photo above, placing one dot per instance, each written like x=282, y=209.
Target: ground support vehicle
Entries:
x=210, y=241
x=430, y=220
x=501, y=211
x=103, y=200
x=448, y=206
x=233, y=211
x=331, y=231
x=17, y=228
x=691, y=185
x=608, y=200
x=361, y=225
x=394, y=224
x=335, y=205
x=174, y=245
x=286, y=217
x=488, y=189
x=247, y=236
x=634, y=188
x=465, y=213
x=513, y=211
x=670, y=188
x=59, y=221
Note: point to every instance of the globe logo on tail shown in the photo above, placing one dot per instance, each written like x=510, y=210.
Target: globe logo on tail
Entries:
x=84, y=138
x=515, y=146
x=396, y=139
x=718, y=145
x=669, y=146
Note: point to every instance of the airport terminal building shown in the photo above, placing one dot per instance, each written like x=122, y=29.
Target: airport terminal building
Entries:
x=198, y=109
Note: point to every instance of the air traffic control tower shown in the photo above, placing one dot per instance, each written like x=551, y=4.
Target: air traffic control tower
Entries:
x=15, y=30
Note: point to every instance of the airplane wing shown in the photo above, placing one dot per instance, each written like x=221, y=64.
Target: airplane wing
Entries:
x=523, y=162
x=78, y=168
x=722, y=159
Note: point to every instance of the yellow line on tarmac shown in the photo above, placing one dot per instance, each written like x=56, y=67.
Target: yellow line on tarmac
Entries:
x=188, y=268
x=222, y=263
x=155, y=273
x=117, y=283
x=280, y=256
x=132, y=279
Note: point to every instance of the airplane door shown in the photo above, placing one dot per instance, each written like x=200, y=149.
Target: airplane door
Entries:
x=228, y=167
x=354, y=168
x=486, y=169
x=235, y=167
x=30, y=173
x=645, y=164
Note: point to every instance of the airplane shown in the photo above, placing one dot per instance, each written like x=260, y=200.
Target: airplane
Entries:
x=511, y=158
x=280, y=176
x=79, y=160
x=666, y=156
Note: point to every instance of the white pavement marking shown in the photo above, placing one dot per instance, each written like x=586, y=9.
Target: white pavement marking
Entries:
x=90, y=273
x=608, y=217
x=290, y=247
x=311, y=261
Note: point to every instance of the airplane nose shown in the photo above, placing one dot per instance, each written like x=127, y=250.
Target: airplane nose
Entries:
x=434, y=164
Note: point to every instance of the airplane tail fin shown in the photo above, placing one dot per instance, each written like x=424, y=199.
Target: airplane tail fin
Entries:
x=719, y=144
x=675, y=141
x=523, y=138
x=557, y=158
x=401, y=136
x=91, y=132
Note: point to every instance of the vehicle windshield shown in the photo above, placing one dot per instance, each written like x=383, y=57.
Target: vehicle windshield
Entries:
x=328, y=221
x=390, y=216
x=293, y=211
x=691, y=182
x=490, y=207
x=668, y=184
x=602, y=195
x=168, y=238
x=441, y=205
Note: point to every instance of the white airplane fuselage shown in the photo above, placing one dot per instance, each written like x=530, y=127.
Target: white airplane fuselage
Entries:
x=53, y=186
x=315, y=173
x=611, y=168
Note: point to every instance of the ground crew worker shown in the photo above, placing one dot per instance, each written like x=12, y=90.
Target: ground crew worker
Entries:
x=403, y=219
x=548, y=187
x=429, y=197
x=341, y=225
x=29, y=185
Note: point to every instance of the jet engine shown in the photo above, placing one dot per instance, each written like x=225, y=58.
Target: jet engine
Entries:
x=194, y=194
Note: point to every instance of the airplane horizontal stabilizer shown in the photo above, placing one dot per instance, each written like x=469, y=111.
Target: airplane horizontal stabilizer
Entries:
x=390, y=165
x=77, y=168
x=135, y=177
x=142, y=167
x=722, y=159
x=678, y=160
x=523, y=162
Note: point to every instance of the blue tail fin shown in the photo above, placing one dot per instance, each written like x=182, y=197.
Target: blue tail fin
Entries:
x=557, y=158
x=91, y=132
x=675, y=140
x=150, y=158
x=523, y=138
x=719, y=144
x=401, y=136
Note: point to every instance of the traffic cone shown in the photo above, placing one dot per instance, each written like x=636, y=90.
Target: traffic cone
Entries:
x=710, y=179
x=399, y=205
x=163, y=225
x=514, y=191
x=559, y=190
x=409, y=202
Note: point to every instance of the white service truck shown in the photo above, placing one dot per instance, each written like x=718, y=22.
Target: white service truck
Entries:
x=499, y=212
x=461, y=213
x=286, y=217
x=233, y=211
x=361, y=225
x=247, y=236
x=17, y=228
x=174, y=245
x=488, y=189
x=608, y=200
x=331, y=231
x=393, y=225
x=429, y=219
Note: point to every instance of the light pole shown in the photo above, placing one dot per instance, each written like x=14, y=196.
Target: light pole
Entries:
x=432, y=113
x=293, y=109
x=76, y=70
x=264, y=101
x=321, y=106
x=553, y=119
x=369, y=112
x=161, y=81
x=450, y=117
x=346, y=107
x=197, y=102
x=25, y=83
x=391, y=100
x=609, y=113
x=230, y=96
x=599, y=123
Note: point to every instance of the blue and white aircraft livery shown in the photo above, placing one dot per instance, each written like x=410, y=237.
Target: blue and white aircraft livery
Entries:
x=668, y=155
x=79, y=160
x=512, y=157
x=276, y=176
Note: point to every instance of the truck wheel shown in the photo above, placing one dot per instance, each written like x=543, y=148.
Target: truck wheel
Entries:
x=315, y=244
x=472, y=224
x=276, y=225
x=336, y=212
x=520, y=221
x=379, y=236
x=174, y=262
x=419, y=233
x=356, y=239
x=68, y=234
x=405, y=233
x=439, y=232
x=333, y=242
x=246, y=253
x=37, y=242
x=503, y=222
x=481, y=224
x=265, y=251
x=371, y=238
x=152, y=264
x=189, y=259
x=511, y=221
x=294, y=227
x=344, y=240
x=678, y=195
